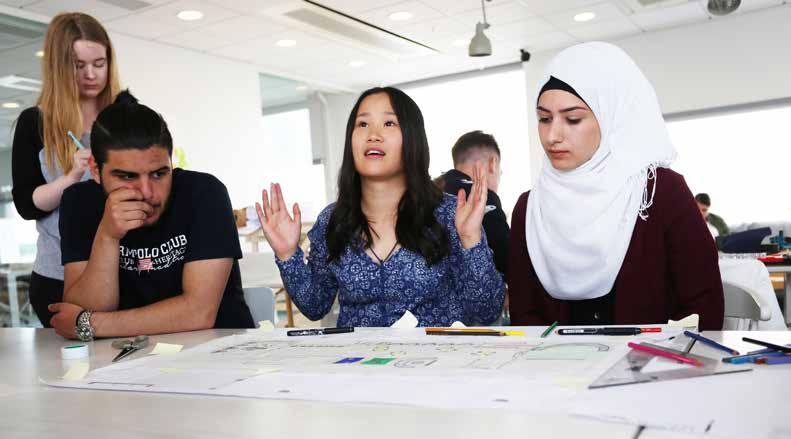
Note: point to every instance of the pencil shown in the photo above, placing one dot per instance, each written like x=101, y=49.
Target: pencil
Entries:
x=711, y=343
x=549, y=329
x=463, y=331
x=663, y=353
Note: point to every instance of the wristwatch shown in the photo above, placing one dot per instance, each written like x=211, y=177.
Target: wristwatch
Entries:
x=85, y=331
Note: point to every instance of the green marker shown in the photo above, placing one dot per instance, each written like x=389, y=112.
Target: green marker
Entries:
x=549, y=329
x=76, y=140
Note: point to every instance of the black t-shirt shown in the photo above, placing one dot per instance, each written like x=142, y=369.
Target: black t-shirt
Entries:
x=494, y=224
x=197, y=224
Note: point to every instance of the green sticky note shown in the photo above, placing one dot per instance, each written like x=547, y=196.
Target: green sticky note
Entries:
x=378, y=361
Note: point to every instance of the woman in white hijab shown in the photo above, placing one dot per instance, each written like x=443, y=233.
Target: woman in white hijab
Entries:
x=610, y=234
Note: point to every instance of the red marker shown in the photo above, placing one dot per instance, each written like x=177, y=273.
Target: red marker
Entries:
x=663, y=353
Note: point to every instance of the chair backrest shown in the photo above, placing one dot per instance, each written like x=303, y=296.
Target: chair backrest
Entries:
x=740, y=304
x=261, y=301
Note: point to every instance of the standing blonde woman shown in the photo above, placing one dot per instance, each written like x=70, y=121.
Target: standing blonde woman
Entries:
x=79, y=80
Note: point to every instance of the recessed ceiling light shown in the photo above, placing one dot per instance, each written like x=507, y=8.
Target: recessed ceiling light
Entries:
x=584, y=16
x=356, y=64
x=400, y=16
x=190, y=15
x=301, y=87
x=40, y=54
x=10, y=105
x=286, y=43
x=461, y=43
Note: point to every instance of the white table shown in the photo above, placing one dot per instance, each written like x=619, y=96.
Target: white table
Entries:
x=786, y=270
x=31, y=409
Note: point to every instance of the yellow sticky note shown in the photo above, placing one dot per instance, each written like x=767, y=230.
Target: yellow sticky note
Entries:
x=77, y=371
x=166, y=348
x=266, y=326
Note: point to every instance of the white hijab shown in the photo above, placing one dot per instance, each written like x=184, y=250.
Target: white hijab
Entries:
x=579, y=223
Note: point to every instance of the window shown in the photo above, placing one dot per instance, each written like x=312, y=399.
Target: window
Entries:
x=493, y=103
x=288, y=133
x=741, y=160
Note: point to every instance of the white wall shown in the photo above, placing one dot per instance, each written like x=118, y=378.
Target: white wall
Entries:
x=212, y=107
x=725, y=61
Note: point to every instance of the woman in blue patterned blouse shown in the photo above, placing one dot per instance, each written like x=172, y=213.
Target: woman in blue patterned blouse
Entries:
x=392, y=242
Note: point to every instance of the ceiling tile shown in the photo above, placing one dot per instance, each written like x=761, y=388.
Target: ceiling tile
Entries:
x=224, y=33
x=99, y=10
x=166, y=16
x=548, y=41
x=380, y=16
x=497, y=14
x=143, y=27
x=660, y=18
x=604, y=12
x=519, y=30
x=355, y=7
x=605, y=30
x=544, y=7
x=250, y=7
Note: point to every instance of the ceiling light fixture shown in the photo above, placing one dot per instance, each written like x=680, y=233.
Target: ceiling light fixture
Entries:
x=190, y=15
x=286, y=43
x=723, y=7
x=584, y=16
x=10, y=105
x=356, y=64
x=480, y=44
x=400, y=16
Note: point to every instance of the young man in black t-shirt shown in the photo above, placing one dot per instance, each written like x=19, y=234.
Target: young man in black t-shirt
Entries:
x=146, y=248
x=470, y=149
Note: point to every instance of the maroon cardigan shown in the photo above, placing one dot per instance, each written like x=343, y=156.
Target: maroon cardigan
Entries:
x=670, y=270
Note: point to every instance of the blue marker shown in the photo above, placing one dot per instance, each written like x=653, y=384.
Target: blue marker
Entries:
x=750, y=358
x=76, y=140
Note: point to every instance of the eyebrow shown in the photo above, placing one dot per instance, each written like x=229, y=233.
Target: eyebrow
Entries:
x=565, y=110
x=390, y=113
x=96, y=60
x=122, y=173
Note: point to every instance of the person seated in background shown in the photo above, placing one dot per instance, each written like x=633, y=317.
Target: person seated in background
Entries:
x=393, y=242
x=147, y=249
x=609, y=234
x=716, y=224
x=473, y=148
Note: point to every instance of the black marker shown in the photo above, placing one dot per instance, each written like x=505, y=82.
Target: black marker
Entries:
x=321, y=331
x=606, y=331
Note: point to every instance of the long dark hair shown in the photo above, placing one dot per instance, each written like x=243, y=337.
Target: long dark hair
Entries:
x=417, y=229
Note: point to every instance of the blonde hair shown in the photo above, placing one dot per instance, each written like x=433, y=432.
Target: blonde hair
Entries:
x=59, y=100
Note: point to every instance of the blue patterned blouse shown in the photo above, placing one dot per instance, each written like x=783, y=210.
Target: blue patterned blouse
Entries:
x=464, y=286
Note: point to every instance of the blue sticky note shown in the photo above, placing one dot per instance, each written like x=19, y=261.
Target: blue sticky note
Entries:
x=349, y=360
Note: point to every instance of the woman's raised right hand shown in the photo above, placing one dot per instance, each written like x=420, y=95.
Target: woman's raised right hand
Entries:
x=280, y=229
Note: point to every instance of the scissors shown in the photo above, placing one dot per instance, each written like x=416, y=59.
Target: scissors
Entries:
x=128, y=346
